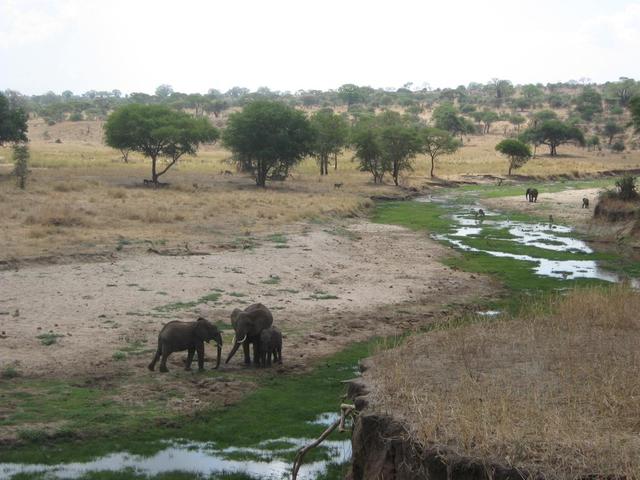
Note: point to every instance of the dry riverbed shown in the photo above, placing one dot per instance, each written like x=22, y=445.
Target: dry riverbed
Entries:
x=328, y=286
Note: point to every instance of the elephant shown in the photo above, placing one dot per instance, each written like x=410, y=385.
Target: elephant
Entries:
x=270, y=346
x=178, y=336
x=585, y=202
x=248, y=324
x=531, y=195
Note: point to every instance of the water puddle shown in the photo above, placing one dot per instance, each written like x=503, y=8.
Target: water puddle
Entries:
x=543, y=236
x=270, y=459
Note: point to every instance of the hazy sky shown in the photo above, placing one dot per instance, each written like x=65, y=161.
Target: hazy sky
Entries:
x=194, y=45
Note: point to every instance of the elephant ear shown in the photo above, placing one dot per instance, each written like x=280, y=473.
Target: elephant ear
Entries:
x=201, y=329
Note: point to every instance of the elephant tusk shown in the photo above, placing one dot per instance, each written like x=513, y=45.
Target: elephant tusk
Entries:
x=242, y=341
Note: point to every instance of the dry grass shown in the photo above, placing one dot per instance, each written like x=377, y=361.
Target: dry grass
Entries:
x=556, y=392
x=87, y=182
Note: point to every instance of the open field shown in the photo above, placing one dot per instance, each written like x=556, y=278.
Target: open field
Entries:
x=551, y=390
x=89, y=253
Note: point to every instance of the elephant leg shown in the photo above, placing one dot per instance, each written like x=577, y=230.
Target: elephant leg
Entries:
x=156, y=357
x=245, y=349
x=163, y=362
x=256, y=353
x=268, y=358
x=200, y=356
x=190, y=353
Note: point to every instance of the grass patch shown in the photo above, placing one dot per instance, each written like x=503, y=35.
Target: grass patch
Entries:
x=292, y=400
x=49, y=338
x=272, y=280
x=9, y=372
x=279, y=238
x=237, y=294
x=212, y=297
x=323, y=296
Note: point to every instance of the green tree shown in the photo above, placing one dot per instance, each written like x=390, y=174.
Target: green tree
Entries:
x=634, y=107
x=268, y=138
x=611, y=129
x=216, y=107
x=488, y=118
x=517, y=121
x=368, y=148
x=532, y=92
x=13, y=122
x=554, y=133
x=164, y=91
x=21, y=164
x=502, y=88
x=446, y=117
x=593, y=143
x=400, y=142
x=517, y=152
x=588, y=104
x=157, y=132
x=331, y=133
x=351, y=94
x=436, y=142
x=622, y=91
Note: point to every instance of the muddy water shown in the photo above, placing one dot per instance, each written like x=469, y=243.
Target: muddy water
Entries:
x=544, y=236
x=269, y=459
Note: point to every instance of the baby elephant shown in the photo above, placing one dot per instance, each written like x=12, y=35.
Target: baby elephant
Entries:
x=270, y=346
x=585, y=202
x=179, y=336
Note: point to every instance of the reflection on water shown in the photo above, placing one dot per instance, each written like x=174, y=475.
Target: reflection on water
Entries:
x=543, y=236
x=268, y=460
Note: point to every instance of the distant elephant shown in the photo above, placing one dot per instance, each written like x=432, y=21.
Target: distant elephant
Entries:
x=585, y=202
x=248, y=324
x=532, y=195
x=270, y=346
x=178, y=336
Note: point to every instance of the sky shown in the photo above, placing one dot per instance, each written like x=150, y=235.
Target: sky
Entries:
x=290, y=45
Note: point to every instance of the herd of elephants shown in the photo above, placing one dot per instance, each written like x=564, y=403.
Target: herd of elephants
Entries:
x=253, y=325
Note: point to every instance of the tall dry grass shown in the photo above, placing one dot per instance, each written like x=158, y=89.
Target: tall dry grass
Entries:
x=555, y=390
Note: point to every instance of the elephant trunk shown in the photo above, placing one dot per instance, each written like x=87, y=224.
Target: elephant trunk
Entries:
x=218, y=356
x=236, y=345
x=232, y=352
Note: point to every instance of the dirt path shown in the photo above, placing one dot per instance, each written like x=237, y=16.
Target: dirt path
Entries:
x=326, y=288
x=565, y=206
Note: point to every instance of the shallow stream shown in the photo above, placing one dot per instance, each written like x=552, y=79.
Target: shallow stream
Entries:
x=501, y=237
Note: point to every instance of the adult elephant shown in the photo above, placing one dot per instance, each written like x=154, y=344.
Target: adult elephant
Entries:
x=178, y=336
x=248, y=324
x=532, y=194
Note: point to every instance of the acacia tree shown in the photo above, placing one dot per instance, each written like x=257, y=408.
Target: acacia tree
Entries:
x=331, y=133
x=554, y=133
x=400, y=143
x=611, y=129
x=13, y=122
x=368, y=149
x=517, y=152
x=267, y=138
x=436, y=142
x=634, y=106
x=446, y=118
x=351, y=94
x=158, y=132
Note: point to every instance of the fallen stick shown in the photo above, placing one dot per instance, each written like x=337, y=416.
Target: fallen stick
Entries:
x=345, y=410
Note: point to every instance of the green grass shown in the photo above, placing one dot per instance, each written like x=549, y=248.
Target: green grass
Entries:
x=212, y=297
x=323, y=296
x=281, y=407
x=279, y=238
x=272, y=280
x=49, y=338
x=9, y=372
x=515, y=275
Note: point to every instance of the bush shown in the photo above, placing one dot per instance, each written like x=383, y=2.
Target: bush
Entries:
x=618, y=146
x=627, y=188
x=21, y=167
x=75, y=117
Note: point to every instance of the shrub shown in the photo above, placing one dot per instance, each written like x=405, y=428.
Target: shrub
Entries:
x=10, y=372
x=627, y=188
x=618, y=146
